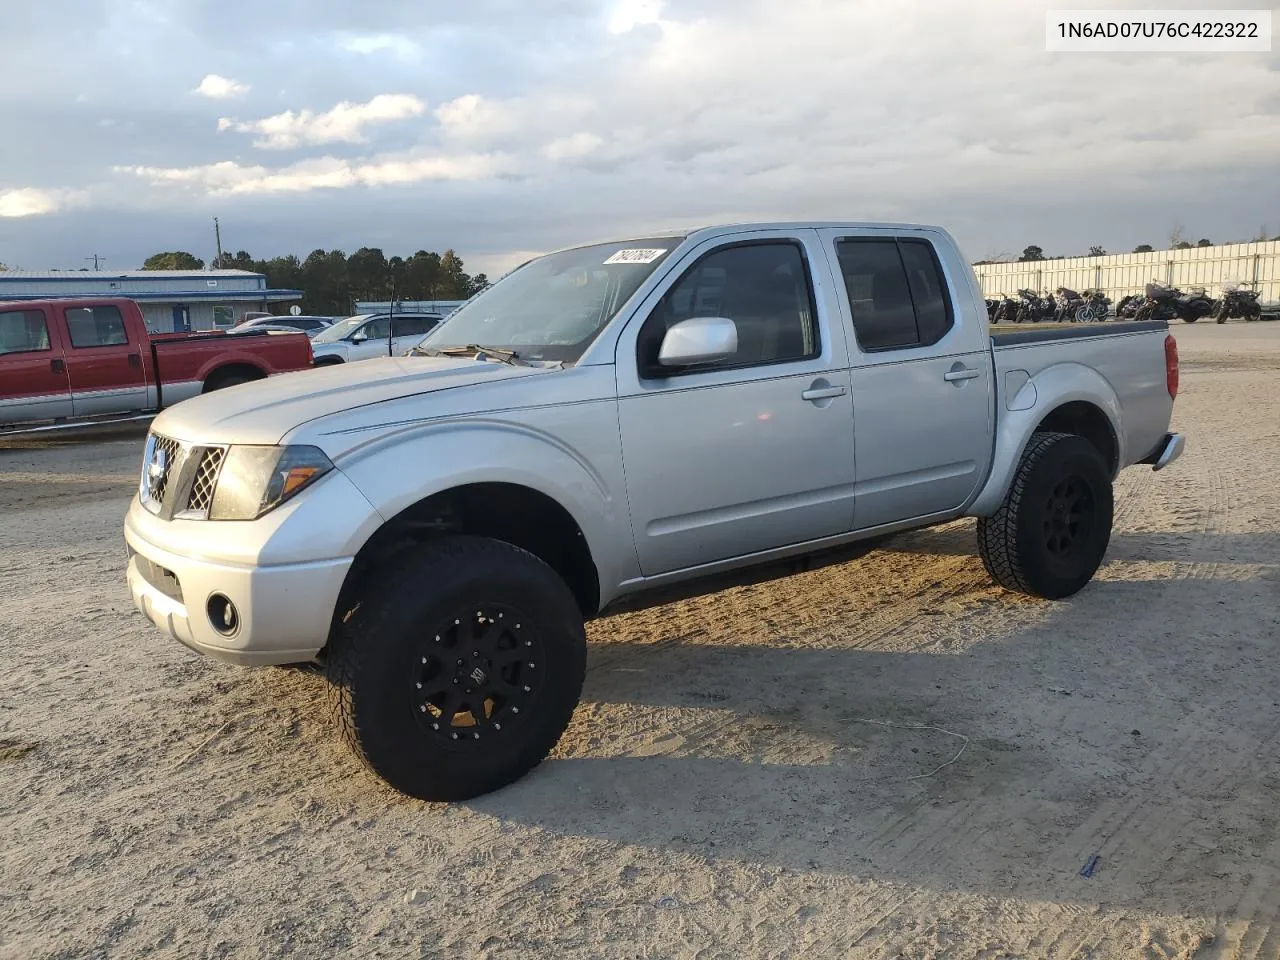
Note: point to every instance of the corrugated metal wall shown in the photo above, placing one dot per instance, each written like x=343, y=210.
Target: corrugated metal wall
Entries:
x=159, y=316
x=1253, y=265
x=105, y=285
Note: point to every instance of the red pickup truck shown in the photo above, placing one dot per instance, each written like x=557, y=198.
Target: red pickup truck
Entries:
x=82, y=360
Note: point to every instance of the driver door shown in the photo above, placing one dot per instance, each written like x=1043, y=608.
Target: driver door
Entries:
x=753, y=453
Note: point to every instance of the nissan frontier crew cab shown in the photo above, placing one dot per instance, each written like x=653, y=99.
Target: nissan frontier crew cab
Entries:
x=607, y=422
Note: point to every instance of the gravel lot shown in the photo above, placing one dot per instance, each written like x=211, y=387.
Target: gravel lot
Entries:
x=748, y=774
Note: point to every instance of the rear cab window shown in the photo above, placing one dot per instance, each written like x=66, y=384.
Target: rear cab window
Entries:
x=897, y=294
x=99, y=326
x=23, y=331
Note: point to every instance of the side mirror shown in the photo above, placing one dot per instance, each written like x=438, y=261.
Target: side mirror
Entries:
x=700, y=340
x=359, y=337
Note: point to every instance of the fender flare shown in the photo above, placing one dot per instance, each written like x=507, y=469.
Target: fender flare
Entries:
x=1019, y=415
x=403, y=467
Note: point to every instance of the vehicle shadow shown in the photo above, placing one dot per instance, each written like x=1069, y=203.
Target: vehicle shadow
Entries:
x=1128, y=722
x=1192, y=546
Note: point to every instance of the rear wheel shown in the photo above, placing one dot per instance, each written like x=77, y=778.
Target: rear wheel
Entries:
x=458, y=674
x=1050, y=534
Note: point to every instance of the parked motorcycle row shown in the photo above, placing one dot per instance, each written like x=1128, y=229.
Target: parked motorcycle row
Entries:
x=1157, y=302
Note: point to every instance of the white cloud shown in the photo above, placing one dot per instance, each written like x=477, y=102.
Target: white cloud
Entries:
x=401, y=47
x=345, y=123
x=220, y=88
x=577, y=146
x=229, y=177
x=629, y=14
x=28, y=202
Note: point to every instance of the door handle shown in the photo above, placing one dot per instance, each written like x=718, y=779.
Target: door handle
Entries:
x=822, y=393
x=57, y=366
x=964, y=373
x=135, y=360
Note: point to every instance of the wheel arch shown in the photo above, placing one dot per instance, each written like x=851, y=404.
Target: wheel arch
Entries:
x=216, y=377
x=513, y=513
x=1065, y=398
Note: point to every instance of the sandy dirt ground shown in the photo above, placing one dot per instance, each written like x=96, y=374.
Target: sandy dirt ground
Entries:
x=731, y=785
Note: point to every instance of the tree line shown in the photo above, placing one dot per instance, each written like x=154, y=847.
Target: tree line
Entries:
x=332, y=281
x=1034, y=253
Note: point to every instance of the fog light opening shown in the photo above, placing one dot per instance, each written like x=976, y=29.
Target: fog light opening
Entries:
x=223, y=615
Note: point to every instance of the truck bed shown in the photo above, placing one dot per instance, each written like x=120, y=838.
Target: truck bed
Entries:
x=1023, y=333
x=1124, y=361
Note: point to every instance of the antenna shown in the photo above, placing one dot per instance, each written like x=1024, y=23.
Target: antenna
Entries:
x=391, y=316
x=95, y=258
x=217, y=236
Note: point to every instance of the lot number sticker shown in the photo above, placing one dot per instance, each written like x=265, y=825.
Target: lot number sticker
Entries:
x=635, y=256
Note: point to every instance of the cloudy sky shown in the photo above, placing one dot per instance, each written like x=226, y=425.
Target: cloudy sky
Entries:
x=502, y=127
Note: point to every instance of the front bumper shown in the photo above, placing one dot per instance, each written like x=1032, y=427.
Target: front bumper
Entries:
x=284, y=601
x=283, y=612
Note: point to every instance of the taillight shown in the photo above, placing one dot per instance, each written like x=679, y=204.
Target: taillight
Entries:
x=1171, y=365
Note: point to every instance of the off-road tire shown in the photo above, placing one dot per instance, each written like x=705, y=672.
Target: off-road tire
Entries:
x=375, y=667
x=1017, y=543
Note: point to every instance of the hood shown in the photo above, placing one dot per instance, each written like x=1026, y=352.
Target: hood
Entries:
x=264, y=411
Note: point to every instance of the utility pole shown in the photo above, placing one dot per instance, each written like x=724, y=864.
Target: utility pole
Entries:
x=217, y=236
x=95, y=258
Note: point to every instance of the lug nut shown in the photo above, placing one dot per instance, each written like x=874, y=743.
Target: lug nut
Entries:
x=515, y=709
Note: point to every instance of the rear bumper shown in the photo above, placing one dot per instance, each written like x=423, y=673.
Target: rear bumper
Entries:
x=1168, y=450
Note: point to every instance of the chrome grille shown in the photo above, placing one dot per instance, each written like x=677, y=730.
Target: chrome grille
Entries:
x=206, y=479
x=160, y=464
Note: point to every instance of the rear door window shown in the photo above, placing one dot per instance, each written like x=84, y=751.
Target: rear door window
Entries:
x=896, y=293
x=23, y=331
x=411, y=326
x=96, y=327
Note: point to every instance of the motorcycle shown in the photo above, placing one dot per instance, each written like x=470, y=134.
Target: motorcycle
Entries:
x=1170, y=303
x=993, y=304
x=1237, y=303
x=1032, y=308
x=1066, y=303
x=1095, y=308
x=1006, y=310
x=1128, y=306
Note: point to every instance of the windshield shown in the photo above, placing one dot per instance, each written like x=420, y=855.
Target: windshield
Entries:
x=553, y=307
x=340, y=330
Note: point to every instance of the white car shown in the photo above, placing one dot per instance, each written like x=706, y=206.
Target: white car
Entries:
x=308, y=325
x=365, y=336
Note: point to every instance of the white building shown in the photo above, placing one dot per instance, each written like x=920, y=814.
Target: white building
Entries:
x=171, y=300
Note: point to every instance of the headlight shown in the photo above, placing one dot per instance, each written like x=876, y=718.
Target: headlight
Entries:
x=254, y=480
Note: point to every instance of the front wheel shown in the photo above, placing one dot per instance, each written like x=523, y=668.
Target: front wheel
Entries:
x=1050, y=534
x=459, y=671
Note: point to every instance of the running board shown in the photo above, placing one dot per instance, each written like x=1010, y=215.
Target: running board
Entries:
x=76, y=425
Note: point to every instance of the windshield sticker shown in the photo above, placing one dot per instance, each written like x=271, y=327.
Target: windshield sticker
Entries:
x=635, y=256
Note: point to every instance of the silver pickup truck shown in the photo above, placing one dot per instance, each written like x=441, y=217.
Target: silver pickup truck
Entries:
x=603, y=424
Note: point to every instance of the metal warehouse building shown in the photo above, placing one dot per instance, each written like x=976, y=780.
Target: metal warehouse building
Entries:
x=171, y=300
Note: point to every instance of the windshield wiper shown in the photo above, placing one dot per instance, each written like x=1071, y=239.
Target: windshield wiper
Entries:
x=471, y=349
